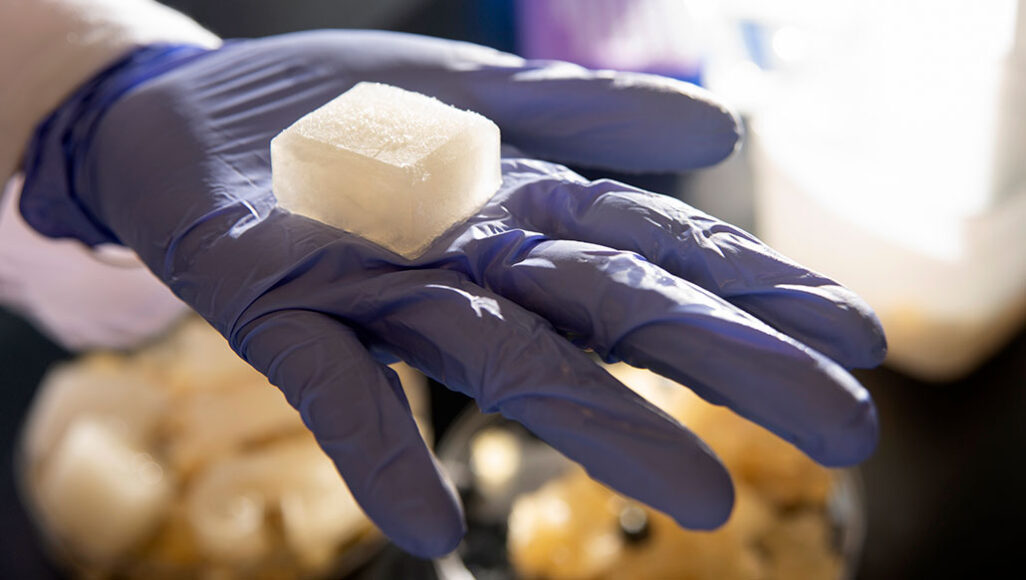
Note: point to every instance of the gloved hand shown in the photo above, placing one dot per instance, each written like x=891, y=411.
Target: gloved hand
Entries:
x=167, y=152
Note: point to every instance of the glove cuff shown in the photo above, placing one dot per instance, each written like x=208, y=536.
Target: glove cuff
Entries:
x=49, y=47
x=49, y=201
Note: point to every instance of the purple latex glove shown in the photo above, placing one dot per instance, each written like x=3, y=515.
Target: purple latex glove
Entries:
x=168, y=152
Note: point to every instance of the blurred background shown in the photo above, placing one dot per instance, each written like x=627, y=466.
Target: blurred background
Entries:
x=885, y=148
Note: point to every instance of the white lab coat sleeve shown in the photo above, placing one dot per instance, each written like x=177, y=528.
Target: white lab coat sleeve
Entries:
x=80, y=298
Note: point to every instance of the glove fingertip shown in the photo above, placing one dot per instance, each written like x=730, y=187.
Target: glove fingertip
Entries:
x=863, y=344
x=712, y=483
x=428, y=530
x=873, y=354
x=717, y=139
x=850, y=442
x=861, y=340
x=417, y=506
x=705, y=129
x=831, y=319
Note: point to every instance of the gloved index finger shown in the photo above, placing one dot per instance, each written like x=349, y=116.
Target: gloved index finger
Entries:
x=623, y=121
x=554, y=110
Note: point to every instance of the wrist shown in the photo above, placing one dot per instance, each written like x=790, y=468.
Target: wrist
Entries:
x=55, y=158
x=48, y=48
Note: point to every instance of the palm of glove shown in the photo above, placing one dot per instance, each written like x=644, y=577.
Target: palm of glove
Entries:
x=497, y=308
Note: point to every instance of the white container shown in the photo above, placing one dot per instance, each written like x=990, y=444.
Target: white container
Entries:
x=945, y=306
x=900, y=170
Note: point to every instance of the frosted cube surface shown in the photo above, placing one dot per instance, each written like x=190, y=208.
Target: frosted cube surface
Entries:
x=395, y=167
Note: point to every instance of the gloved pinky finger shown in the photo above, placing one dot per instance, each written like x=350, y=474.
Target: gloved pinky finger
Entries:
x=359, y=414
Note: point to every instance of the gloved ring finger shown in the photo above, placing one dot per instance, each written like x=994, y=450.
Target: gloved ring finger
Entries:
x=511, y=361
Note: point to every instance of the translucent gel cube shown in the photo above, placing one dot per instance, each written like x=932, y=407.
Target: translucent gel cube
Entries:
x=395, y=167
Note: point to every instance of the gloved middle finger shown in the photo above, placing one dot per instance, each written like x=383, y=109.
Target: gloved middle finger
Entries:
x=710, y=253
x=626, y=307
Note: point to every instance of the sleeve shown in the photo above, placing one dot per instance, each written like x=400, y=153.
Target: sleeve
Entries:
x=81, y=299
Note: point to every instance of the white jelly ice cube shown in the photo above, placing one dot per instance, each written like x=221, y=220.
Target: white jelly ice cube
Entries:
x=229, y=501
x=395, y=167
x=99, y=388
x=101, y=492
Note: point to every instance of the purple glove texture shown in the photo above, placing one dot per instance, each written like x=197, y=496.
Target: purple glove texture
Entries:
x=167, y=152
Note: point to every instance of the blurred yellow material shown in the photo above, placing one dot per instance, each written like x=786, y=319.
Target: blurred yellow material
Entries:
x=780, y=528
x=180, y=460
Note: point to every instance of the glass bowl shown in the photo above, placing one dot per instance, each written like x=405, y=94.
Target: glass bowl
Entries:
x=532, y=513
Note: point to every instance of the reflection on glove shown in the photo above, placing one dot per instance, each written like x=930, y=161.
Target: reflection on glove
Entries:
x=178, y=169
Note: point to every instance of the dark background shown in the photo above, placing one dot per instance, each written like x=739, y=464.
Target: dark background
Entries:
x=943, y=492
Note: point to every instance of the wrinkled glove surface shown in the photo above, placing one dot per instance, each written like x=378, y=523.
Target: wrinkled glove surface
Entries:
x=167, y=152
